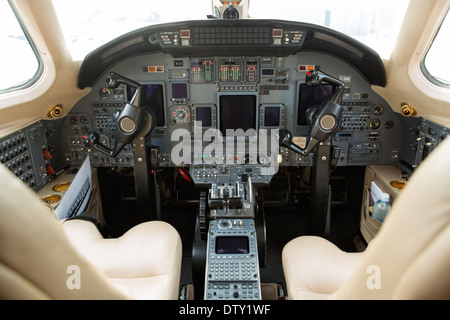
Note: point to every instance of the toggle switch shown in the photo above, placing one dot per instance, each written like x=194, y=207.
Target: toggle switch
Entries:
x=47, y=154
x=50, y=170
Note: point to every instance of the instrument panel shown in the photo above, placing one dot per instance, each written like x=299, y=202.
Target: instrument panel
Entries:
x=229, y=93
x=219, y=75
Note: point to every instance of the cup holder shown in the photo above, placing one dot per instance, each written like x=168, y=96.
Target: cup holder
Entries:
x=398, y=184
x=51, y=199
x=61, y=187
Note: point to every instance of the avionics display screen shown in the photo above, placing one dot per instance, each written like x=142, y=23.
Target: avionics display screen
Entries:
x=271, y=116
x=232, y=245
x=152, y=98
x=203, y=114
x=237, y=112
x=179, y=91
x=311, y=96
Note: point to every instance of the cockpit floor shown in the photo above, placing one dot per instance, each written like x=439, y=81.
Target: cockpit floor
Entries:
x=283, y=222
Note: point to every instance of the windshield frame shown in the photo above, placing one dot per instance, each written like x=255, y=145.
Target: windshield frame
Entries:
x=444, y=83
x=40, y=65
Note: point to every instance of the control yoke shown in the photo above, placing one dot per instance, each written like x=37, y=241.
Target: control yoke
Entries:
x=323, y=120
x=128, y=122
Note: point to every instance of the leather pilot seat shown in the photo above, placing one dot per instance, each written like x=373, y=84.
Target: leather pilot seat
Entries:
x=408, y=259
x=42, y=258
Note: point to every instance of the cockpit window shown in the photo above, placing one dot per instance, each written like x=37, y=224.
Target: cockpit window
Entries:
x=20, y=64
x=374, y=23
x=436, y=65
x=88, y=24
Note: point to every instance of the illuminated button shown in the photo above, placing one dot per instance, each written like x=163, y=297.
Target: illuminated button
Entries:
x=277, y=33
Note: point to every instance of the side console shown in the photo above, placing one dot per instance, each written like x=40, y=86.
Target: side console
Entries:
x=26, y=154
x=232, y=267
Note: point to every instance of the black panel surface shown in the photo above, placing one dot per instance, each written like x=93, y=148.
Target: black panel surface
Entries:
x=233, y=38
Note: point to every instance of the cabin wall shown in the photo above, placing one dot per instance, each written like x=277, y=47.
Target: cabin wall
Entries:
x=405, y=81
x=58, y=85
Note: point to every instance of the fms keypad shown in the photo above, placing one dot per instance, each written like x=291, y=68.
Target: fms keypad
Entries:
x=232, y=268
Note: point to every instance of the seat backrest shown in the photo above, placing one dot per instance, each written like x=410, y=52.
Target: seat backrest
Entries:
x=37, y=261
x=410, y=256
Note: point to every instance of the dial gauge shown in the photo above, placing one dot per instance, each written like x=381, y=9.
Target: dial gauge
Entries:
x=104, y=93
x=378, y=109
x=389, y=124
x=375, y=124
x=181, y=115
x=84, y=119
x=73, y=119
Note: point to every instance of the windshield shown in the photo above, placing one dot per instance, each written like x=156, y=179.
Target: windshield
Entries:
x=87, y=24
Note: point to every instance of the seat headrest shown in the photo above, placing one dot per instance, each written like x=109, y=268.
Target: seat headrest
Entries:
x=411, y=251
x=36, y=258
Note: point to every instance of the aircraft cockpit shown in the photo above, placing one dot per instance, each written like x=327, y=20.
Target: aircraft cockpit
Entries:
x=242, y=133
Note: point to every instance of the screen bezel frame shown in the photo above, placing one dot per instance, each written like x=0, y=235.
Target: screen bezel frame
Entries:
x=230, y=237
x=179, y=100
x=282, y=115
x=213, y=108
x=302, y=130
x=234, y=93
x=163, y=84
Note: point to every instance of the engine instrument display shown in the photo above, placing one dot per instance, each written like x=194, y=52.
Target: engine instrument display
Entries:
x=230, y=70
x=202, y=70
